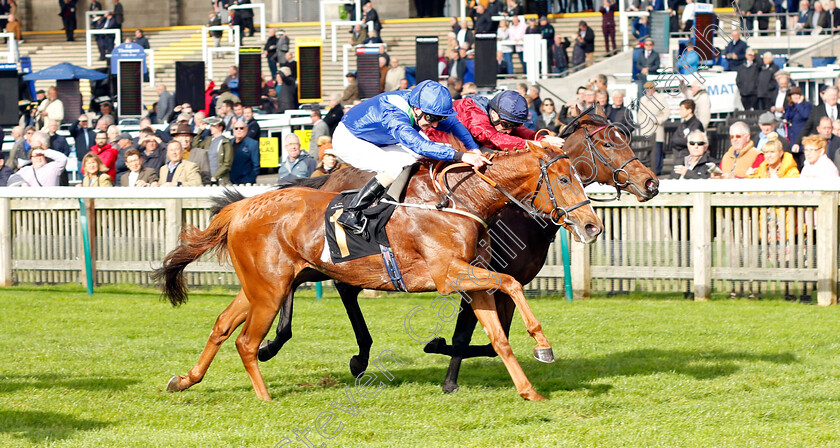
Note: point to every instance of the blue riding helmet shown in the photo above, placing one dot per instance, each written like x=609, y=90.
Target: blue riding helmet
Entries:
x=511, y=106
x=432, y=98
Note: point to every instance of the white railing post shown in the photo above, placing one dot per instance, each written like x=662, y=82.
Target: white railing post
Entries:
x=204, y=44
x=544, y=53
x=701, y=245
x=333, y=44
x=827, y=248
x=87, y=47
x=150, y=64
x=345, y=63
x=5, y=242
x=581, y=268
x=174, y=222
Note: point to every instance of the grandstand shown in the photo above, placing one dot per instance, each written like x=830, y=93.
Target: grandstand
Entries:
x=183, y=43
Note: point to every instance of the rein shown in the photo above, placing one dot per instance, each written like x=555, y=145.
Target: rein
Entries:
x=594, y=153
x=556, y=213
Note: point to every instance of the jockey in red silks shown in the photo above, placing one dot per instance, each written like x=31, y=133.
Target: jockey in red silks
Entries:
x=495, y=123
x=383, y=134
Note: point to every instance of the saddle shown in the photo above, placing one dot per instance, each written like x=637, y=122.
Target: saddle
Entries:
x=345, y=246
x=355, y=246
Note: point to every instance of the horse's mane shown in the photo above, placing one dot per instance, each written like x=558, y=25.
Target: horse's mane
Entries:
x=575, y=123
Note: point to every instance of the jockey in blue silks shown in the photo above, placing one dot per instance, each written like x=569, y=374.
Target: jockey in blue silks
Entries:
x=383, y=134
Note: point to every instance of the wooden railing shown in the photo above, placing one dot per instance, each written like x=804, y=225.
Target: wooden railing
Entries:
x=746, y=237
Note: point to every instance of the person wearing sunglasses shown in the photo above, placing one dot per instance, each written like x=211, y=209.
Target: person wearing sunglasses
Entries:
x=741, y=155
x=817, y=164
x=383, y=134
x=496, y=123
x=697, y=164
x=688, y=124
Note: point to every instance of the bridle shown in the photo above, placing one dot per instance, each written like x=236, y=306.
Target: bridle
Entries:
x=594, y=153
x=555, y=215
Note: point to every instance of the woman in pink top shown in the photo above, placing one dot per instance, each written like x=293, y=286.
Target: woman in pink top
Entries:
x=816, y=162
x=516, y=33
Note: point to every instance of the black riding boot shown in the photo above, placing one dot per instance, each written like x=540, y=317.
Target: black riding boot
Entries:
x=352, y=218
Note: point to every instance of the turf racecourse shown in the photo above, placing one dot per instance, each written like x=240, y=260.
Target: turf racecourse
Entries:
x=89, y=372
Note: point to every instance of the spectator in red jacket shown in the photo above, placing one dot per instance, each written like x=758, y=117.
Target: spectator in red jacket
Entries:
x=106, y=152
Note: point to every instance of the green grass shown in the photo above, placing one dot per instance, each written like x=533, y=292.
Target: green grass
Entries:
x=79, y=371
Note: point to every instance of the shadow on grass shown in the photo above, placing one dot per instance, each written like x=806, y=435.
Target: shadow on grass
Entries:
x=12, y=383
x=582, y=373
x=41, y=427
x=576, y=373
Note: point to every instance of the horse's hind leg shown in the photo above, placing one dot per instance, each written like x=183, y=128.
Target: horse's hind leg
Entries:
x=350, y=299
x=226, y=323
x=269, y=348
x=460, y=348
x=265, y=301
x=485, y=310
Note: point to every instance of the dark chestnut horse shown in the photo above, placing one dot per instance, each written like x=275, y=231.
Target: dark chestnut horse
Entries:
x=273, y=247
x=599, y=153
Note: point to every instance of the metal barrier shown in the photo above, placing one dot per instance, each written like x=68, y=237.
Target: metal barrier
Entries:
x=89, y=15
x=12, y=54
x=252, y=6
x=208, y=52
x=89, y=32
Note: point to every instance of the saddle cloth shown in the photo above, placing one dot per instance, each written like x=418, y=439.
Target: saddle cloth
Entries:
x=346, y=246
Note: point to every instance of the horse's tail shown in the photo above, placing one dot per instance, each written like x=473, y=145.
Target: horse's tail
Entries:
x=229, y=196
x=194, y=243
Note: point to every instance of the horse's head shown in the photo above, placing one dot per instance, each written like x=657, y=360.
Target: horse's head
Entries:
x=601, y=153
x=559, y=194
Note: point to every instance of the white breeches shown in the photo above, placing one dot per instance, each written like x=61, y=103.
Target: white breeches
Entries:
x=365, y=155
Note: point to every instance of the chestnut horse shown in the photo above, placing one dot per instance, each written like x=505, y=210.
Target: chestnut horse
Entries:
x=273, y=248
x=598, y=151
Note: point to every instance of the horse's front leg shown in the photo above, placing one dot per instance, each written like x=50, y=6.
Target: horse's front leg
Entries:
x=484, y=306
x=464, y=277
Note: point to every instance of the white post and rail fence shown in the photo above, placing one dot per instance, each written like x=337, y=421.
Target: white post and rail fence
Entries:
x=747, y=237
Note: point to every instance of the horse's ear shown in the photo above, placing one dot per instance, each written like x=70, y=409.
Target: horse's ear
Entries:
x=600, y=110
x=535, y=147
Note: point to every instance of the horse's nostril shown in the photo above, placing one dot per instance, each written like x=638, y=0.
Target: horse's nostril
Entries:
x=651, y=185
x=593, y=230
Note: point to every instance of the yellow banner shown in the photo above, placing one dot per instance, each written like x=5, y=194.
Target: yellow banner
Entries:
x=269, y=152
x=304, y=135
x=305, y=41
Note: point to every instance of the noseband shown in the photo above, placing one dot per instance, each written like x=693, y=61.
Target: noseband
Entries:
x=615, y=171
x=557, y=211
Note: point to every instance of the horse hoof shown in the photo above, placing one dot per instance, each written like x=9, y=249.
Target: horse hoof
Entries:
x=357, y=365
x=448, y=388
x=545, y=355
x=173, y=384
x=534, y=397
x=434, y=346
x=265, y=352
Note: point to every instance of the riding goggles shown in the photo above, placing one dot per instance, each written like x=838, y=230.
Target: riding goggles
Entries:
x=432, y=118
